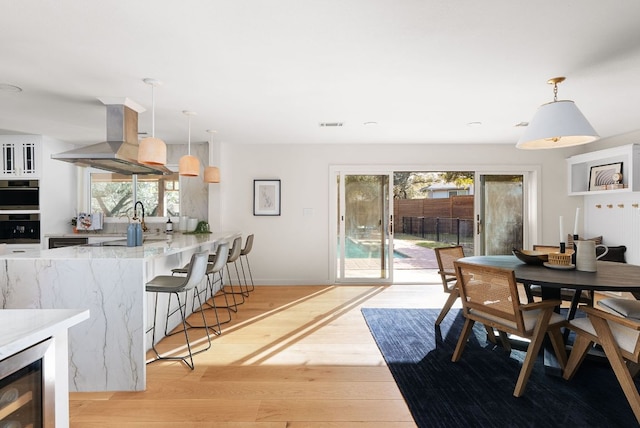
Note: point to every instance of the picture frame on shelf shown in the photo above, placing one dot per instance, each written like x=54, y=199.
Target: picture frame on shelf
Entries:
x=602, y=176
x=266, y=197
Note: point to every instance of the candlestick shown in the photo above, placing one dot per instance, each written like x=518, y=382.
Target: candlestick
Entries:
x=562, y=237
x=575, y=224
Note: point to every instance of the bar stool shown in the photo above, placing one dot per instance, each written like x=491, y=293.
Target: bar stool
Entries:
x=234, y=254
x=248, y=245
x=177, y=285
x=218, y=262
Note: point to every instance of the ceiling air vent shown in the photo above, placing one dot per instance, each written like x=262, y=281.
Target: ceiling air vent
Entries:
x=331, y=124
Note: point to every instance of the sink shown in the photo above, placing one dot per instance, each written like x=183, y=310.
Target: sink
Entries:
x=117, y=243
x=154, y=238
x=123, y=242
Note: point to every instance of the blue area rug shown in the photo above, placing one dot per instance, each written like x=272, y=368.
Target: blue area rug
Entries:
x=477, y=391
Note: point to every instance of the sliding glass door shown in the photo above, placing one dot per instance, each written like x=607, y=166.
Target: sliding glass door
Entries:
x=499, y=219
x=365, y=228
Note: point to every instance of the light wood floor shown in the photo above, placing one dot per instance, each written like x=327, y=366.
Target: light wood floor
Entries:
x=291, y=357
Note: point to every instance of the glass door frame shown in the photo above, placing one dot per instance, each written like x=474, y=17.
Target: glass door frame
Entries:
x=336, y=178
x=532, y=233
x=531, y=213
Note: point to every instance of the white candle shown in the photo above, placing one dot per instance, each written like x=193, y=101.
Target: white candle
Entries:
x=562, y=238
x=575, y=224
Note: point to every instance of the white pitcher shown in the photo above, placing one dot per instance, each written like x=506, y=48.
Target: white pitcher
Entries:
x=586, y=255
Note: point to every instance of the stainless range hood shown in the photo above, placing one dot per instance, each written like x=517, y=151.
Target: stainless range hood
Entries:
x=119, y=153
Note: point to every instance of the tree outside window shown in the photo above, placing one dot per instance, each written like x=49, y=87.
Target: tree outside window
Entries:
x=113, y=194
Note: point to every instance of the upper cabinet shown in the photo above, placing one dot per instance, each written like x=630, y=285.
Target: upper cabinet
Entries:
x=596, y=172
x=20, y=159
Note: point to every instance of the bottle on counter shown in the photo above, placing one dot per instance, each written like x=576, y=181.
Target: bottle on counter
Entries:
x=131, y=235
x=138, y=227
x=169, y=226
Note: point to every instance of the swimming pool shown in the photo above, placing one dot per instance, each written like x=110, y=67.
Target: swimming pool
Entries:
x=357, y=250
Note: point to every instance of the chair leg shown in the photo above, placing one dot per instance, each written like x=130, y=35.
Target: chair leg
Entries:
x=462, y=340
x=233, y=307
x=532, y=352
x=185, y=327
x=491, y=335
x=504, y=339
x=617, y=364
x=234, y=293
x=201, y=309
x=240, y=293
x=581, y=346
x=558, y=343
x=453, y=295
x=244, y=292
x=249, y=270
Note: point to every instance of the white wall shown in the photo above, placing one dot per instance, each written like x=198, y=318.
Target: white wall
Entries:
x=294, y=249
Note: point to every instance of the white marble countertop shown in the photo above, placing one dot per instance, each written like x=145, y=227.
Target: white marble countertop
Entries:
x=22, y=328
x=156, y=245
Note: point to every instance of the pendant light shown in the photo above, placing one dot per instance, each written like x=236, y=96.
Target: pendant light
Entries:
x=211, y=173
x=557, y=124
x=152, y=150
x=189, y=166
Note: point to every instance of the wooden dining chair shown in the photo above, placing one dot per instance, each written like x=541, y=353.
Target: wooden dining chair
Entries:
x=619, y=337
x=490, y=296
x=445, y=257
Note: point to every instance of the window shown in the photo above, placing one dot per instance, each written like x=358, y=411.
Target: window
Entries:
x=115, y=194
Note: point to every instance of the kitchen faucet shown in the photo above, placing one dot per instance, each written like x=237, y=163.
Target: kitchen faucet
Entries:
x=135, y=215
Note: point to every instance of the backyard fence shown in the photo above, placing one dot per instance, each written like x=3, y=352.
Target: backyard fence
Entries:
x=440, y=229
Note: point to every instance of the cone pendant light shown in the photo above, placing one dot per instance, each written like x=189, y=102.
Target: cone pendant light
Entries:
x=211, y=173
x=189, y=166
x=557, y=124
x=152, y=150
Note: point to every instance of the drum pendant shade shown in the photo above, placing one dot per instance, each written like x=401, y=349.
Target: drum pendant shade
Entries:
x=152, y=150
x=211, y=174
x=189, y=166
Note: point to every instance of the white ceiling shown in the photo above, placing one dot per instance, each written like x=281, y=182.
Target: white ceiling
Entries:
x=261, y=71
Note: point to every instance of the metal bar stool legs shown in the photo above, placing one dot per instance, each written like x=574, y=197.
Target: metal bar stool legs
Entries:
x=177, y=285
x=245, y=253
x=216, y=264
x=236, y=248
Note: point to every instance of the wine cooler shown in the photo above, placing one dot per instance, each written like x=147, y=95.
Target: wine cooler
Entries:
x=27, y=388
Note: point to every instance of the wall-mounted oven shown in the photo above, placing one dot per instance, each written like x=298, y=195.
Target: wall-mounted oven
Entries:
x=20, y=228
x=21, y=195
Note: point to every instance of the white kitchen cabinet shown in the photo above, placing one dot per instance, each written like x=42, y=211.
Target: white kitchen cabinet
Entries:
x=579, y=169
x=20, y=159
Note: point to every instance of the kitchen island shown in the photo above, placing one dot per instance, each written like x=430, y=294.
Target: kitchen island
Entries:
x=21, y=331
x=107, y=352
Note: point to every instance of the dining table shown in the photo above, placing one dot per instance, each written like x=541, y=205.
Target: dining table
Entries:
x=609, y=276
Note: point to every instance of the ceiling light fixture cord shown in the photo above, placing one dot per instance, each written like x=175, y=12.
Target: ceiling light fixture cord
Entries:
x=153, y=111
x=189, y=140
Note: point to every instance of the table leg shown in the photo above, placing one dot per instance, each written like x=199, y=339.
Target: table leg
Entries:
x=551, y=364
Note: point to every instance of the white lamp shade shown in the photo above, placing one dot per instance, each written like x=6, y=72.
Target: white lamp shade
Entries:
x=211, y=174
x=557, y=124
x=152, y=151
x=189, y=166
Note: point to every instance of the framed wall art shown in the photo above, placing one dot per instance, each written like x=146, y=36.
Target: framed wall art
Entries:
x=266, y=197
x=603, y=175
